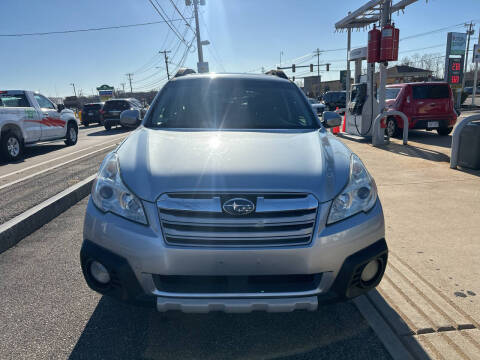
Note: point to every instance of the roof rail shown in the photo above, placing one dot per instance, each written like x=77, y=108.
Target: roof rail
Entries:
x=183, y=72
x=278, y=73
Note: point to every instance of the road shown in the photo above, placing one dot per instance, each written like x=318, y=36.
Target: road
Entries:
x=48, y=312
x=50, y=168
x=429, y=297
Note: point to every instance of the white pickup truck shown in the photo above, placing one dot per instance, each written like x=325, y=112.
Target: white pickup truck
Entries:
x=27, y=117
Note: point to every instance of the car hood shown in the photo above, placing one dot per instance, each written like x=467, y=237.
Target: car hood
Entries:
x=154, y=161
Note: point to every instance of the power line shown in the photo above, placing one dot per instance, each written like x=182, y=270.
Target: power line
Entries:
x=87, y=29
x=186, y=22
x=175, y=31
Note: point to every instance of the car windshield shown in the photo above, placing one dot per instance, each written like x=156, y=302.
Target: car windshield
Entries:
x=334, y=96
x=216, y=103
x=391, y=93
x=92, y=107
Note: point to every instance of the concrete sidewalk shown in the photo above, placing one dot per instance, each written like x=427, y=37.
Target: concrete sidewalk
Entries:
x=432, y=216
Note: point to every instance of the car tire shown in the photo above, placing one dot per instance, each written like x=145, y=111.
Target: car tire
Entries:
x=86, y=123
x=72, y=134
x=12, y=146
x=444, y=131
x=392, y=129
x=108, y=126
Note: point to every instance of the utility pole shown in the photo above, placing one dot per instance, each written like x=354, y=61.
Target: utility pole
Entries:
x=165, y=52
x=74, y=91
x=199, y=41
x=129, y=76
x=318, y=52
x=281, y=53
x=475, y=75
x=123, y=87
x=470, y=32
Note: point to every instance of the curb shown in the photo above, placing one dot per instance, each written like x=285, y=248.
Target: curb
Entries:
x=26, y=223
x=389, y=339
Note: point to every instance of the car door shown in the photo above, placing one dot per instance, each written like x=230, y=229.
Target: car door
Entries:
x=52, y=125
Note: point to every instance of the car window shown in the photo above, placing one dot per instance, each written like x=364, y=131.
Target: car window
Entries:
x=391, y=93
x=92, y=107
x=44, y=102
x=431, y=92
x=231, y=104
x=10, y=100
x=116, y=105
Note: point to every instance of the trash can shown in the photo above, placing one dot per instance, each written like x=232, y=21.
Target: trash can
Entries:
x=469, y=149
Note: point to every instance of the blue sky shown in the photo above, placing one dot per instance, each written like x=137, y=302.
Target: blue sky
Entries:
x=245, y=35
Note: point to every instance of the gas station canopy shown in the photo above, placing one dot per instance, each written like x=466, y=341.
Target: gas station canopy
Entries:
x=369, y=14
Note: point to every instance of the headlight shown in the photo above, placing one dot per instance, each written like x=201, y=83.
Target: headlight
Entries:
x=360, y=194
x=110, y=194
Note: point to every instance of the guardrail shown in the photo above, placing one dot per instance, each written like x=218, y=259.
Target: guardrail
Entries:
x=375, y=137
x=456, y=139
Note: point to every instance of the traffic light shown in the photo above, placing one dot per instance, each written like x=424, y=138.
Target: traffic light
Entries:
x=311, y=67
x=293, y=67
x=328, y=67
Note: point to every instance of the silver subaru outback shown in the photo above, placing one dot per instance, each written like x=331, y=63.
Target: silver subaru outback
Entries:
x=232, y=196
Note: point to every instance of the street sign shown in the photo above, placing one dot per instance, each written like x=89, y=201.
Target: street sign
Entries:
x=456, y=43
x=455, y=72
x=476, y=53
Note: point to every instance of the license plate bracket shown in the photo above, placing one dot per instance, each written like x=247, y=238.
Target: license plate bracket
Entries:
x=433, y=124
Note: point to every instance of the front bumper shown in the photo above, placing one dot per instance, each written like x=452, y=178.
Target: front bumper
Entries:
x=134, y=254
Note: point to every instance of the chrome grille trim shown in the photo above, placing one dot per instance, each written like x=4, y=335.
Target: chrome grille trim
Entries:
x=198, y=220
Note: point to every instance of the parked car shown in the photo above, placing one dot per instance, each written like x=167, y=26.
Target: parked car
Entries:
x=334, y=99
x=92, y=113
x=428, y=105
x=469, y=90
x=113, y=108
x=317, y=106
x=233, y=197
x=27, y=117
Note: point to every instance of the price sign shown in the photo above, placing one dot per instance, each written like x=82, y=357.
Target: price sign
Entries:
x=455, y=72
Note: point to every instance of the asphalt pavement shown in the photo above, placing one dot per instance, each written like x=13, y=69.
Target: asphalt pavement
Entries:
x=48, y=312
x=50, y=168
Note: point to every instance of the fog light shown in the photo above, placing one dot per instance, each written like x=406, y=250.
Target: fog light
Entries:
x=370, y=271
x=99, y=272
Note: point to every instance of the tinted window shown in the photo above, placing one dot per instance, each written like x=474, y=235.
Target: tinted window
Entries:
x=18, y=100
x=431, y=92
x=391, y=93
x=116, y=105
x=231, y=104
x=92, y=107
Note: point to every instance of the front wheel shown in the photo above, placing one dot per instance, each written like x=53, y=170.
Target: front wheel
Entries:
x=72, y=135
x=86, y=123
x=392, y=128
x=444, y=131
x=108, y=126
x=12, y=146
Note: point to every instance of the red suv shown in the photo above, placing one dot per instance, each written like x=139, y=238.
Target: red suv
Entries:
x=428, y=105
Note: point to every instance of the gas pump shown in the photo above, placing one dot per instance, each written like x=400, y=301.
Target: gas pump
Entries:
x=363, y=106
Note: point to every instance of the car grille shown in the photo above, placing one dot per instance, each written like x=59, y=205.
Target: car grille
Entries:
x=236, y=284
x=198, y=220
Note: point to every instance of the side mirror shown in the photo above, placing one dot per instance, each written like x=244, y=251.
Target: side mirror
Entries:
x=60, y=107
x=130, y=118
x=331, y=119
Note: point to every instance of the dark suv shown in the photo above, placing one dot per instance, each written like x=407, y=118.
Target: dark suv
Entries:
x=113, y=108
x=334, y=99
x=92, y=113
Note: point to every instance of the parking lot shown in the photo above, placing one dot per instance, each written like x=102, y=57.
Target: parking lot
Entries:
x=427, y=299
